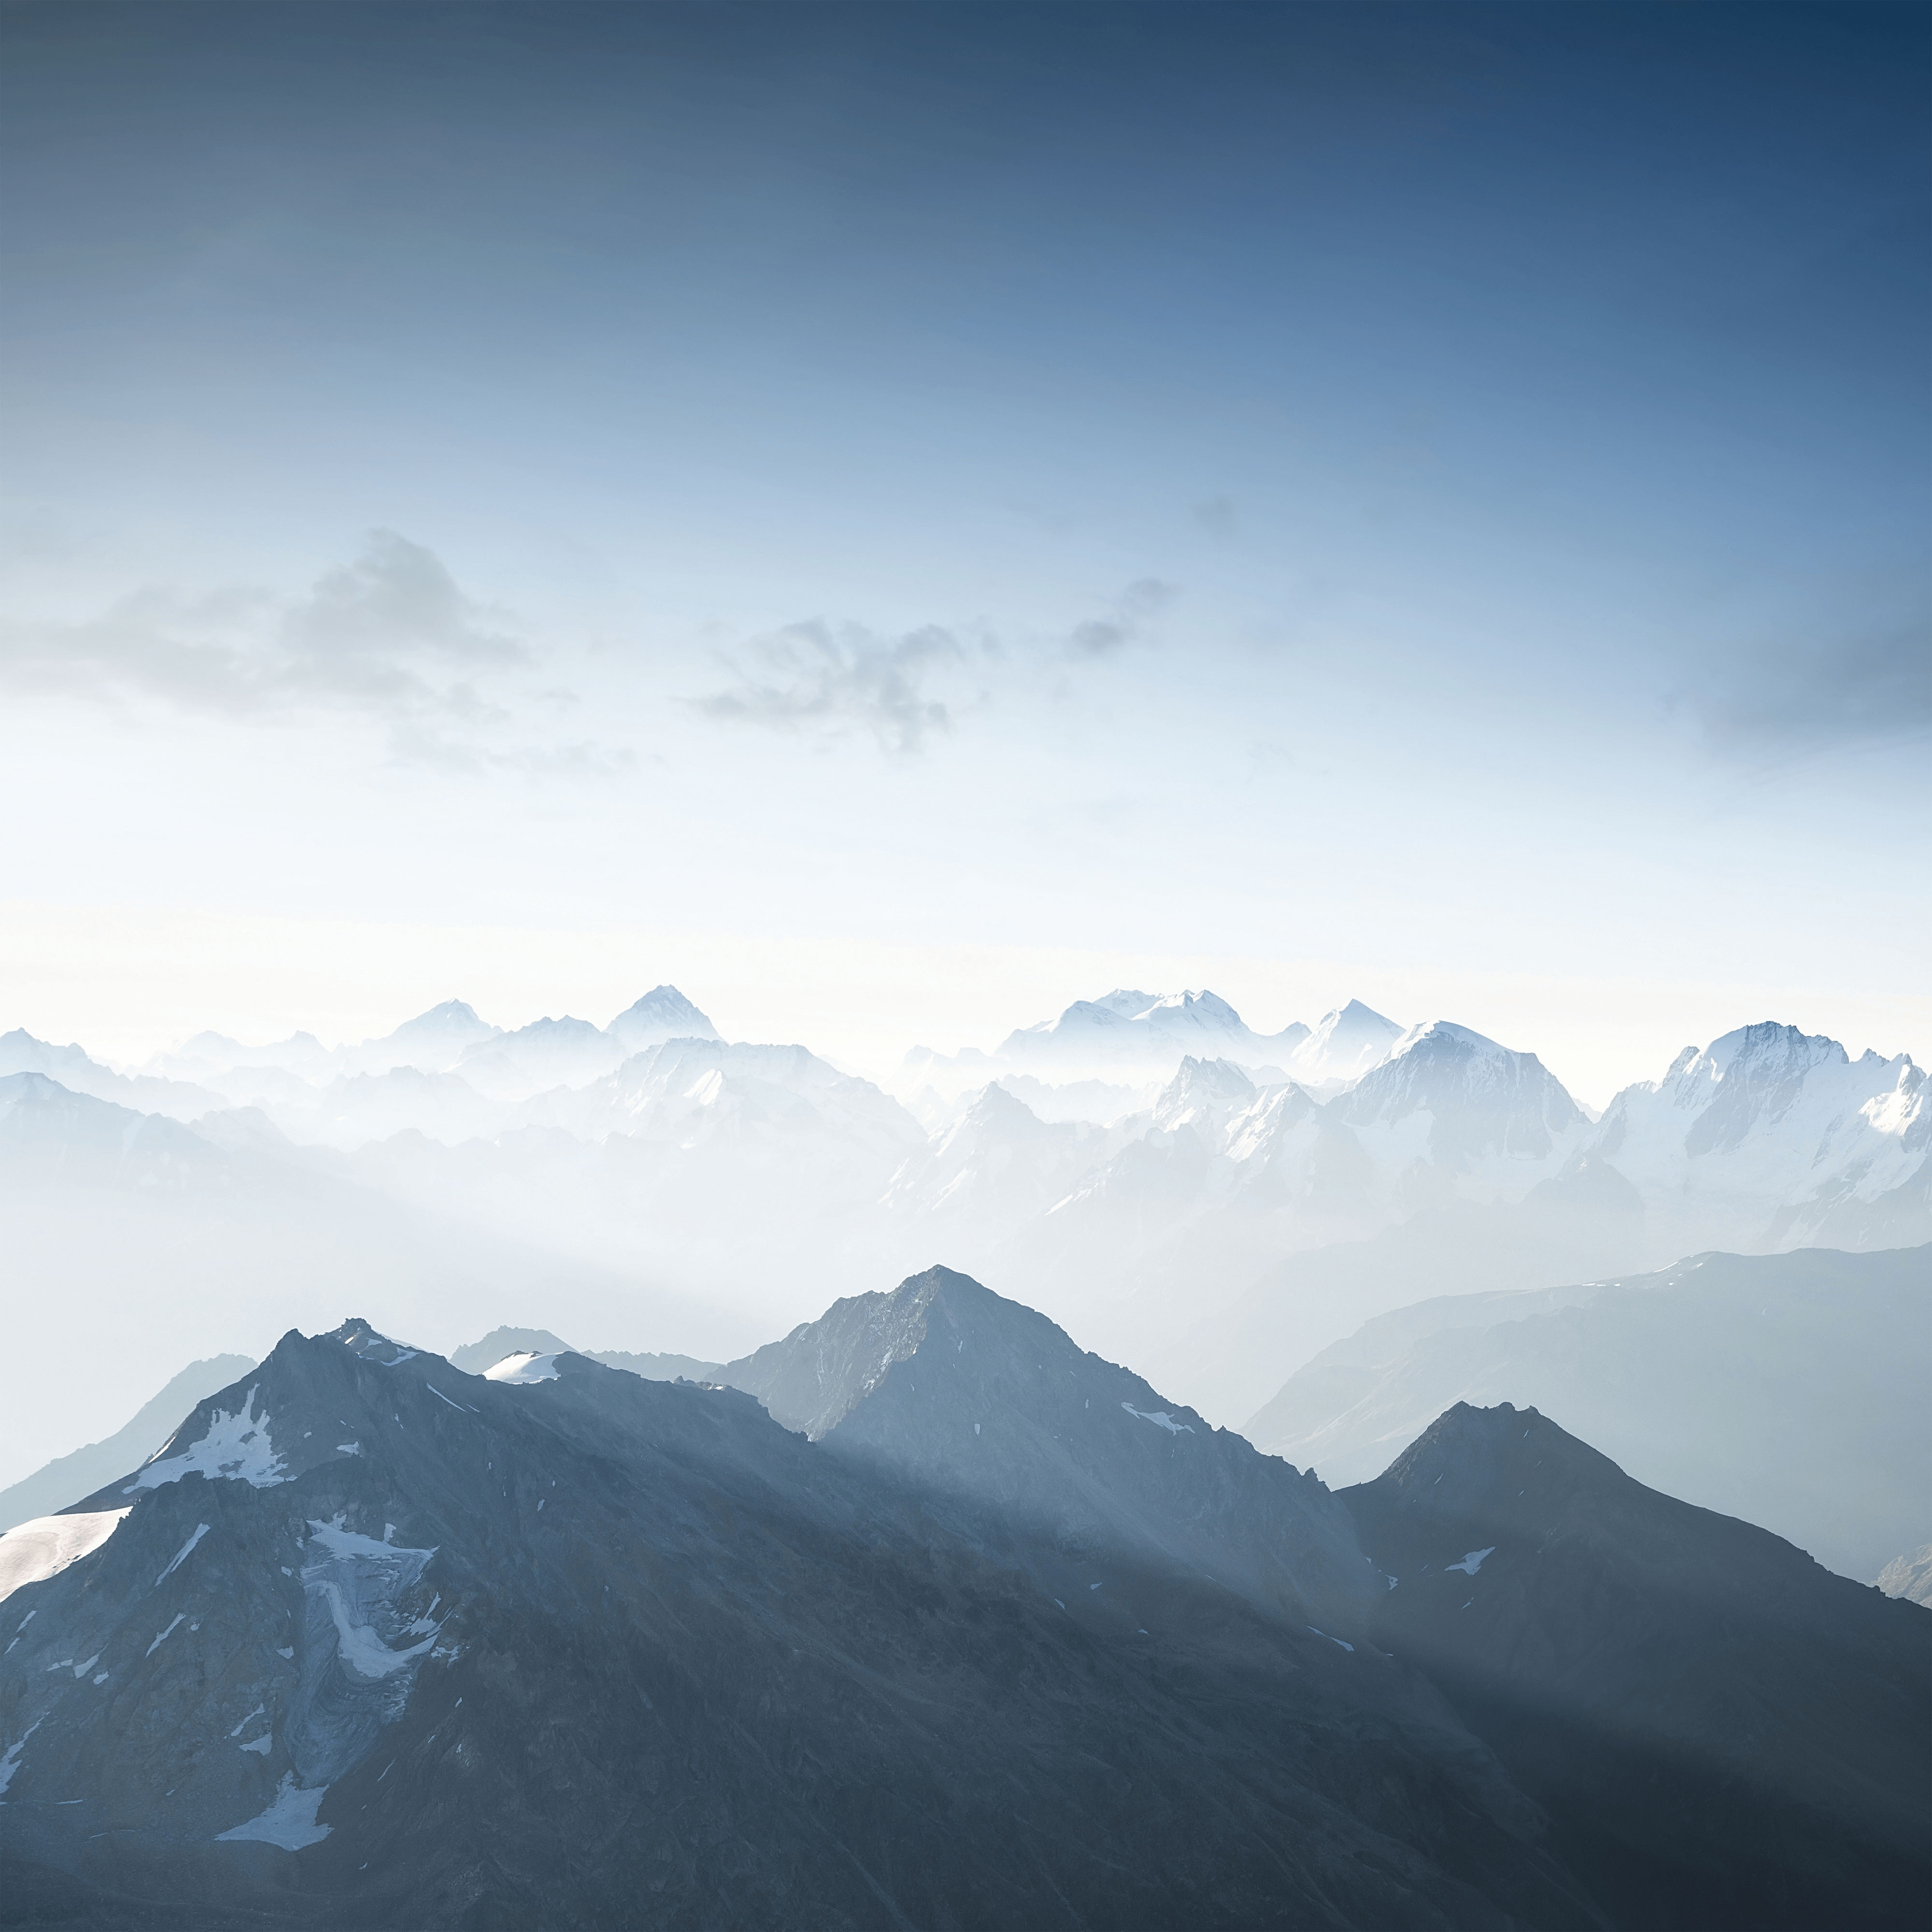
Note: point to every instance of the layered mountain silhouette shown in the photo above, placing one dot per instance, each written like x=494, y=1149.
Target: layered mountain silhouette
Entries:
x=372, y=1641
x=1785, y=1389
x=992, y=1632
x=1224, y=1201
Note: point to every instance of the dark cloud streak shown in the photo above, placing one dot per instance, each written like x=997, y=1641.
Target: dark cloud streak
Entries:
x=1864, y=689
x=812, y=674
x=390, y=636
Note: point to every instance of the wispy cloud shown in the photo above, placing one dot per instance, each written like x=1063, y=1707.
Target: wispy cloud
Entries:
x=843, y=677
x=391, y=635
x=905, y=691
x=1126, y=621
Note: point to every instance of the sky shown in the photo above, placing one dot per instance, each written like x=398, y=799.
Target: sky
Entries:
x=894, y=518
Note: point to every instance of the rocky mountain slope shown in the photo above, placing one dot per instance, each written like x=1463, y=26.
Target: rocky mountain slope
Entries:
x=372, y=1641
x=991, y=1410
x=1723, y=1733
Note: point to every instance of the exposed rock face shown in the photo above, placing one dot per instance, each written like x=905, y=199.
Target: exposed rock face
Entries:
x=987, y=1407
x=1723, y=1733
x=995, y=1635
x=378, y=1643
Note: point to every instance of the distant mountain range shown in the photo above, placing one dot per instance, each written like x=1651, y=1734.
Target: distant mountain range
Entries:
x=1139, y=1037
x=1785, y=1389
x=1181, y=1188
x=995, y=1633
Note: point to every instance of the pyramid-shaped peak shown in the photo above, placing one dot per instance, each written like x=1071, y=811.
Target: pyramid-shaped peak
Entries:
x=1467, y=1450
x=663, y=1013
x=450, y=1015
x=1346, y=1045
x=1355, y=1014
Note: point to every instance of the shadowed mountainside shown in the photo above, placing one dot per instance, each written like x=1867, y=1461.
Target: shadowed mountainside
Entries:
x=1723, y=1733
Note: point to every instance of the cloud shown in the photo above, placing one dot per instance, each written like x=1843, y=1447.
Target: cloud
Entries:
x=1815, y=696
x=837, y=677
x=812, y=674
x=391, y=635
x=1125, y=623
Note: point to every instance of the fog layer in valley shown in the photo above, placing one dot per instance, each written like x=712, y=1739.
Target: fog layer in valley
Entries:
x=1216, y=1205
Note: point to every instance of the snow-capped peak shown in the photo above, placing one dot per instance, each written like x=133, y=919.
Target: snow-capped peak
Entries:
x=1347, y=1044
x=1203, y=1090
x=663, y=1013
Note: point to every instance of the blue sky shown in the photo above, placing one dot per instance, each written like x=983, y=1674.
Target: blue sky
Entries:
x=957, y=503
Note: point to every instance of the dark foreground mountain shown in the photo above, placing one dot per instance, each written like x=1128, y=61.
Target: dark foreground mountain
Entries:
x=1068, y=1464
x=371, y=1643
x=1723, y=1733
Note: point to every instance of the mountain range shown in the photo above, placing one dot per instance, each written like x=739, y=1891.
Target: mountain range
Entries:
x=1249, y=1201
x=994, y=1632
x=1785, y=1389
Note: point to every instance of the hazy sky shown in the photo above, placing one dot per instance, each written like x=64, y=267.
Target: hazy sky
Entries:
x=895, y=517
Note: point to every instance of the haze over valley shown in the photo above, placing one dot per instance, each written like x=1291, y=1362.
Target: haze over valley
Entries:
x=1173, y=1187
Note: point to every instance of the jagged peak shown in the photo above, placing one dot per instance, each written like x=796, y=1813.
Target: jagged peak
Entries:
x=364, y=1341
x=994, y=1104
x=1198, y=1081
x=1771, y=1044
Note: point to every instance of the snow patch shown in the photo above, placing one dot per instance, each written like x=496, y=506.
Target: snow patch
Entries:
x=1160, y=1419
x=164, y=1635
x=1348, y=1647
x=31, y=1551
x=181, y=1555
x=289, y=1822
x=1471, y=1563
x=358, y=1580
x=527, y=1367
x=11, y=1763
x=236, y=1446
